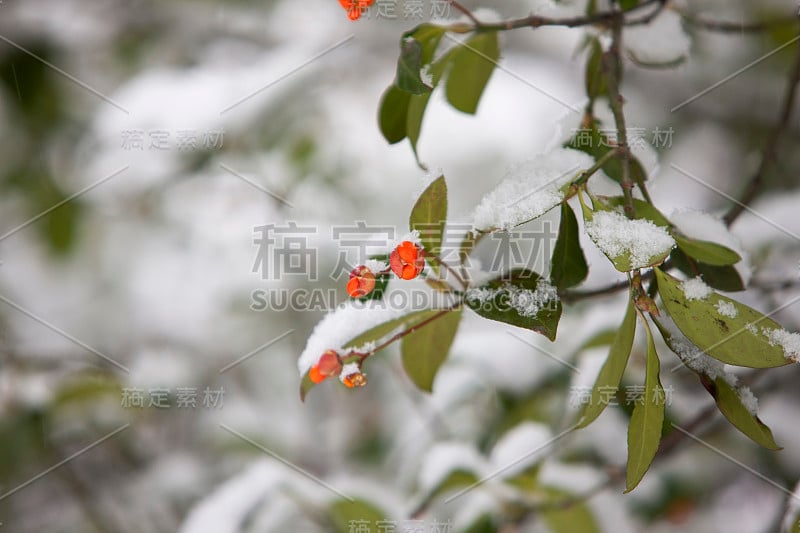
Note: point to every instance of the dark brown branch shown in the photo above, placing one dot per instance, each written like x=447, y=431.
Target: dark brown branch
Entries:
x=770, y=147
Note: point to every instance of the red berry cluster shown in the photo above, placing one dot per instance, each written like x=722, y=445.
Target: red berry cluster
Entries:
x=330, y=364
x=407, y=261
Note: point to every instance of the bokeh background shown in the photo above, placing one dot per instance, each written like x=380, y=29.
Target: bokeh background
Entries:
x=142, y=145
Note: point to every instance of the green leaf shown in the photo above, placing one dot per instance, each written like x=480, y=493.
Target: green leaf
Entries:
x=503, y=299
x=344, y=514
x=575, y=518
x=393, y=114
x=723, y=278
x=417, y=48
x=644, y=430
x=596, y=83
x=643, y=209
x=737, y=341
x=456, y=479
x=426, y=349
x=730, y=404
x=409, y=66
x=610, y=375
x=416, y=111
x=472, y=65
x=628, y=4
x=568, y=266
x=429, y=36
x=706, y=252
x=429, y=214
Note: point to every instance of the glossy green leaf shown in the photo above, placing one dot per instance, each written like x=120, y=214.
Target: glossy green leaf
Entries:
x=429, y=214
x=344, y=513
x=595, y=79
x=409, y=66
x=706, y=252
x=568, y=266
x=417, y=48
x=472, y=65
x=575, y=518
x=429, y=36
x=393, y=114
x=644, y=430
x=611, y=373
x=426, y=349
x=503, y=299
x=723, y=278
x=730, y=405
x=416, y=112
x=736, y=341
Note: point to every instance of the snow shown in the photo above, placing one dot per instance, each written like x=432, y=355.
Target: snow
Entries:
x=411, y=236
x=640, y=239
x=345, y=322
x=375, y=266
x=529, y=190
x=694, y=357
x=790, y=342
x=446, y=457
x=526, y=302
x=749, y=400
x=520, y=448
x=661, y=41
x=706, y=227
x=726, y=309
x=227, y=508
x=696, y=289
x=698, y=361
x=347, y=370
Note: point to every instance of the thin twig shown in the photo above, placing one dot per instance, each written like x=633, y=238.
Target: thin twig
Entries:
x=770, y=147
x=394, y=338
x=537, y=21
x=724, y=26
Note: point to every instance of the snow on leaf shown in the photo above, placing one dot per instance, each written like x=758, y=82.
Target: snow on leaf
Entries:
x=695, y=289
x=529, y=190
x=640, y=240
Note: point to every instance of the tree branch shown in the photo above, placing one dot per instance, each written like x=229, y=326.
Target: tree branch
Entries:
x=770, y=147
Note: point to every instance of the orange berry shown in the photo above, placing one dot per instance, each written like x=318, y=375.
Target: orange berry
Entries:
x=354, y=12
x=356, y=379
x=329, y=363
x=361, y=283
x=315, y=375
x=407, y=260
